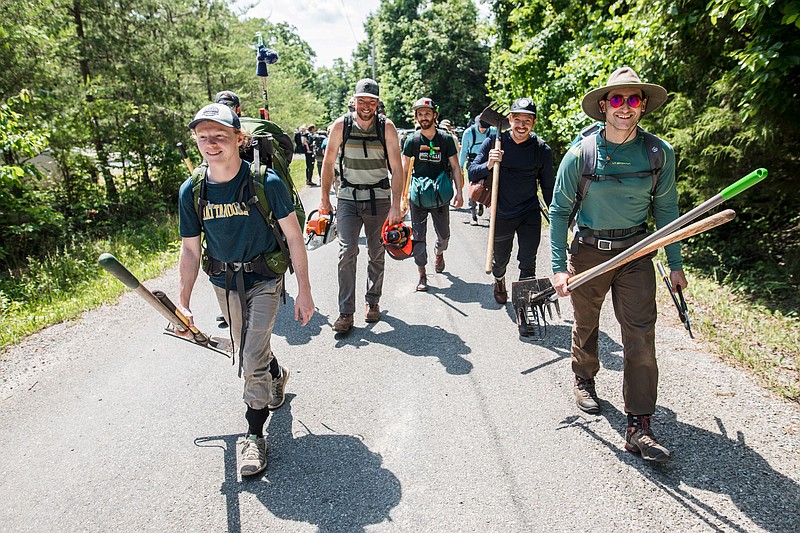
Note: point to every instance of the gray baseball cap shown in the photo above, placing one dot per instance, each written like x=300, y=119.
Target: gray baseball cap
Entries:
x=219, y=113
x=367, y=87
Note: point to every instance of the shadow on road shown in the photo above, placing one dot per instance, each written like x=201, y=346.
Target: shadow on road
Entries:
x=418, y=340
x=468, y=293
x=710, y=462
x=332, y=481
x=559, y=341
x=289, y=328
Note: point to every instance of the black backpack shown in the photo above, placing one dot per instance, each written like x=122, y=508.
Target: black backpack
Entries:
x=440, y=139
x=589, y=164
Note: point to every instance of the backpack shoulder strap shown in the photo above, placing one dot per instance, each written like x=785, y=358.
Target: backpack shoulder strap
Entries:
x=441, y=139
x=380, y=130
x=588, y=168
x=655, y=154
x=347, y=128
x=258, y=198
x=199, y=191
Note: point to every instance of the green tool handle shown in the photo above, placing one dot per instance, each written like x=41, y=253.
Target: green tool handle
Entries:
x=745, y=183
x=730, y=191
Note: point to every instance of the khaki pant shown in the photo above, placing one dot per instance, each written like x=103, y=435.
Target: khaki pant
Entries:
x=262, y=310
x=633, y=292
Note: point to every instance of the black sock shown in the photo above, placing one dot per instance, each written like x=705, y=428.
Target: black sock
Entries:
x=274, y=368
x=256, y=418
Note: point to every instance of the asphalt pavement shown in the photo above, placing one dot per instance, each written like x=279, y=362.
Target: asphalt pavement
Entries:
x=438, y=418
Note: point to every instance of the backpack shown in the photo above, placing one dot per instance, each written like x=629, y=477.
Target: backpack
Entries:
x=471, y=154
x=432, y=192
x=253, y=194
x=319, y=151
x=588, y=141
x=258, y=128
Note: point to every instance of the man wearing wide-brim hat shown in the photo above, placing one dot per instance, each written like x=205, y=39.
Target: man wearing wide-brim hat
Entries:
x=610, y=178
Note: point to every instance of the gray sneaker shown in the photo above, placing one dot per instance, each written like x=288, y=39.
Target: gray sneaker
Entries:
x=279, y=389
x=254, y=455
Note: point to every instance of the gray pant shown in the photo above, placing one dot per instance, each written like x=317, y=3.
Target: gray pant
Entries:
x=419, y=227
x=350, y=217
x=262, y=310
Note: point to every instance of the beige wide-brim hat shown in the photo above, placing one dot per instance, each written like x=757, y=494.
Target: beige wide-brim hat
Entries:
x=623, y=78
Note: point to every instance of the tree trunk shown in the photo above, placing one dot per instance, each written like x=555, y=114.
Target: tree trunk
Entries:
x=94, y=124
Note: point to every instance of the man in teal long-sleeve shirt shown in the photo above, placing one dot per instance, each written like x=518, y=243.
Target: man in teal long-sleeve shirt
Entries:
x=612, y=216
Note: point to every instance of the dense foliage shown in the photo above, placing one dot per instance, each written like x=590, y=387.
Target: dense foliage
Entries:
x=733, y=71
x=101, y=92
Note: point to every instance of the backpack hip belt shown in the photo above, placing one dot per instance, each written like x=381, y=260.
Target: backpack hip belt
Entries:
x=383, y=184
x=215, y=267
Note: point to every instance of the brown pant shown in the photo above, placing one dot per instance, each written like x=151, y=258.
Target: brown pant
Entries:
x=633, y=292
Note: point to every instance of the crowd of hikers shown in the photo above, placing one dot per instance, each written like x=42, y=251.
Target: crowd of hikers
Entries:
x=242, y=205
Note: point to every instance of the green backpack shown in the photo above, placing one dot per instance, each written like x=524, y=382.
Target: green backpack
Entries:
x=278, y=260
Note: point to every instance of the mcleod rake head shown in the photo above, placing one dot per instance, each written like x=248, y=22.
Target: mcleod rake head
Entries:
x=531, y=308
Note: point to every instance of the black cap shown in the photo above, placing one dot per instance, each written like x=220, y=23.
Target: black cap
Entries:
x=367, y=87
x=229, y=98
x=523, y=105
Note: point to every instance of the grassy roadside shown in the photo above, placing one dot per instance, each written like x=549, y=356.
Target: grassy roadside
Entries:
x=743, y=334
x=68, y=281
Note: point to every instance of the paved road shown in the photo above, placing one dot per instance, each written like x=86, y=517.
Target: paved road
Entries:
x=438, y=418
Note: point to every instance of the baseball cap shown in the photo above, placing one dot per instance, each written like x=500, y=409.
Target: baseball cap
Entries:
x=423, y=103
x=523, y=105
x=219, y=113
x=229, y=98
x=367, y=87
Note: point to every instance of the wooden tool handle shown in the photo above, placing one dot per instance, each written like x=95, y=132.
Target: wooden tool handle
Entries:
x=493, y=208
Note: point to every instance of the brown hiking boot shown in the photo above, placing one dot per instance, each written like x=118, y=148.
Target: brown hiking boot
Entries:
x=639, y=438
x=344, y=323
x=438, y=266
x=373, y=313
x=422, y=285
x=585, y=395
x=500, y=293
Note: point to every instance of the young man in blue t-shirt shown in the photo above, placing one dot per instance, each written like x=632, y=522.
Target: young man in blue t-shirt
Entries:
x=237, y=238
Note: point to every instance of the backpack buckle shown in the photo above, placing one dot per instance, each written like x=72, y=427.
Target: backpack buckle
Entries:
x=603, y=244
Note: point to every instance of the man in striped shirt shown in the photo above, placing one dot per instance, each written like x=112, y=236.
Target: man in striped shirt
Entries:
x=369, y=153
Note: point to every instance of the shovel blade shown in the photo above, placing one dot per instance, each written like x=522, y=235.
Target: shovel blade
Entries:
x=496, y=115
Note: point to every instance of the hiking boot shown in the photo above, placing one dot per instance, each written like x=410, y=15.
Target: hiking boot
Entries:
x=422, y=285
x=254, y=455
x=373, y=313
x=585, y=395
x=344, y=323
x=438, y=266
x=500, y=293
x=279, y=389
x=639, y=438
